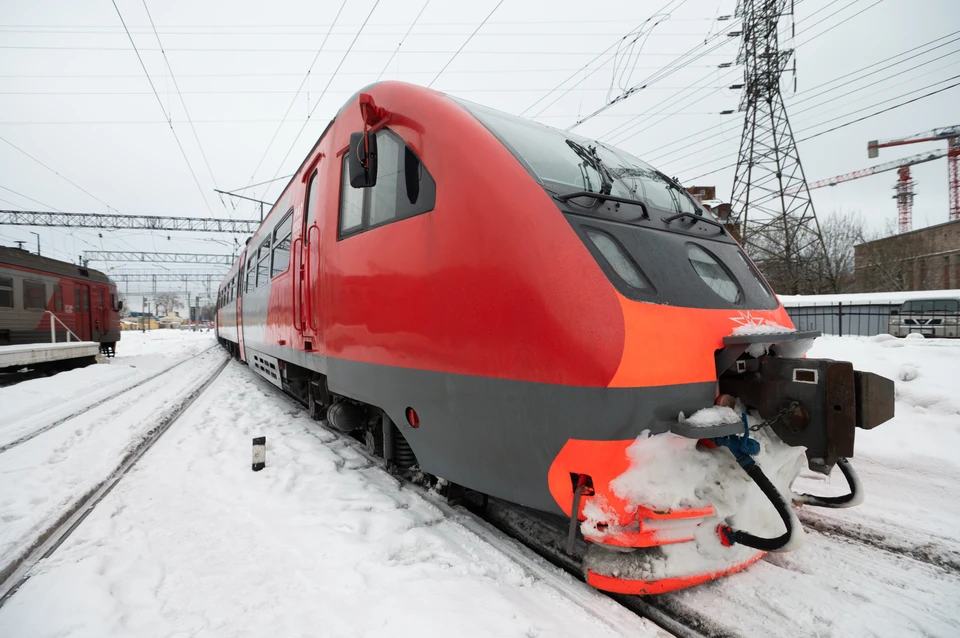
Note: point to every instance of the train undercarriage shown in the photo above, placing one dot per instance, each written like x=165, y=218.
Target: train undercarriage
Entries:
x=775, y=413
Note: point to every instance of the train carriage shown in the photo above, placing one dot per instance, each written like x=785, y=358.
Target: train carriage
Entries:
x=514, y=308
x=32, y=288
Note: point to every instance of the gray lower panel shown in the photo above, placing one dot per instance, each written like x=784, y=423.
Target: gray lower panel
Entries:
x=500, y=436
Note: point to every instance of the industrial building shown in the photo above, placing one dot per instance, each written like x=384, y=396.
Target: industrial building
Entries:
x=925, y=259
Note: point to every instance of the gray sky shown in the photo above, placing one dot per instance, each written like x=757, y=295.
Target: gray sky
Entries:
x=76, y=98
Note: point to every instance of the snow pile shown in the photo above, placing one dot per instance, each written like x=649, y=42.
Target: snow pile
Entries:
x=711, y=417
x=670, y=472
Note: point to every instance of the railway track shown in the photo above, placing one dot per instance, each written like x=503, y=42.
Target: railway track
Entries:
x=687, y=613
x=930, y=553
x=15, y=574
x=98, y=402
x=535, y=533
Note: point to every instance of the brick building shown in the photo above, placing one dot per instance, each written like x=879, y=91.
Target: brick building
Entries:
x=925, y=259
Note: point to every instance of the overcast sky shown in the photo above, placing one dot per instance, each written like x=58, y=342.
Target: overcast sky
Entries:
x=76, y=98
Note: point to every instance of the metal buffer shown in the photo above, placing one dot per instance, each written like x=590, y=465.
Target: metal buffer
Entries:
x=904, y=188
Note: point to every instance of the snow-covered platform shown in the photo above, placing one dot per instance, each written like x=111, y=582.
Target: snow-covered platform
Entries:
x=31, y=354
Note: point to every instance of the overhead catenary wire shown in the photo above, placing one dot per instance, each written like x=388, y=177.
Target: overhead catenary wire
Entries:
x=329, y=82
x=162, y=108
x=293, y=101
x=58, y=174
x=667, y=70
x=578, y=71
x=403, y=39
x=183, y=102
x=465, y=43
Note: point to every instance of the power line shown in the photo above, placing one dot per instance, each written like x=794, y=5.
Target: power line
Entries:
x=835, y=128
x=306, y=78
x=37, y=201
x=844, y=86
x=403, y=39
x=908, y=93
x=498, y=51
x=891, y=108
x=182, y=102
x=676, y=65
x=160, y=102
x=583, y=68
x=465, y=43
x=330, y=81
x=72, y=183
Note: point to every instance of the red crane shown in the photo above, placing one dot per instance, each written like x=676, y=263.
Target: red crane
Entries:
x=904, y=187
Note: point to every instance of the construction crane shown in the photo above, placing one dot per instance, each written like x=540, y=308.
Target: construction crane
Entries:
x=904, y=188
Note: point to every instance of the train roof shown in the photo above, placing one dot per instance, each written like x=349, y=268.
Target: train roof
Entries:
x=25, y=259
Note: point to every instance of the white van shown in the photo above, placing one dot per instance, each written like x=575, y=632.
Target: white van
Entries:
x=929, y=317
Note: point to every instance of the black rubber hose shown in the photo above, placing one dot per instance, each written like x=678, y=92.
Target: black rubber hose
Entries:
x=847, y=500
x=783, y=509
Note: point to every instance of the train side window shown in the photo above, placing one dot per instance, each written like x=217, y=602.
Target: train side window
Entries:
x=58, y=298
x=34, y=295
x=85, y=298
x=404, y=188
x=281, y=244
x=263, y=263
x=6, y=292
x=76, y=299
x=351, y=203
x=251, y=273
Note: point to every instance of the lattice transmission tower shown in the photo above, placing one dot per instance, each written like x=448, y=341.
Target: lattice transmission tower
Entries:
x=771, y=204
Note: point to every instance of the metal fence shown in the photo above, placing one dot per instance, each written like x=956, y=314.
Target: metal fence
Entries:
x=843, y=319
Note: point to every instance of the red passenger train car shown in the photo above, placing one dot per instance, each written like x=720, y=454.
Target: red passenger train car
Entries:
x=517, y=309
x=33, y=287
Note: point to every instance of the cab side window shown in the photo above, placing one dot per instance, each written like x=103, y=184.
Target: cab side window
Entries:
x=404, y=188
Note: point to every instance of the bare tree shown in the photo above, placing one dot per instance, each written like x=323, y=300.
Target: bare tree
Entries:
x=841, y=232
x=168, y=301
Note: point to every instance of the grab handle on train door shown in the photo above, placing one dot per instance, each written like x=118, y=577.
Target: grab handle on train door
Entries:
x=298, y=283
x=311, y=321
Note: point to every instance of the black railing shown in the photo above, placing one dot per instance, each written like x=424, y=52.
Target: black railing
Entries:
x=843, y=319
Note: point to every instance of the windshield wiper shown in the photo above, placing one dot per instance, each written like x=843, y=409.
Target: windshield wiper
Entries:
x=590, y=157
x=605, y=197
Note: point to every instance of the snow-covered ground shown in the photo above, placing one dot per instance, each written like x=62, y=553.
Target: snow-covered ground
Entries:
x=193, y=543
x=31, y=404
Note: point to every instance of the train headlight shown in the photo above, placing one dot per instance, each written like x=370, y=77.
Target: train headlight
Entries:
x=894, y=321
x=951, y=321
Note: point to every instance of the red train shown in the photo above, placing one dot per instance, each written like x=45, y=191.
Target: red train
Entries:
x=518, y=310
x=32, y=288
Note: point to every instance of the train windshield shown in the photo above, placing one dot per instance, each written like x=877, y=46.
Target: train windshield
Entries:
x=563, y=159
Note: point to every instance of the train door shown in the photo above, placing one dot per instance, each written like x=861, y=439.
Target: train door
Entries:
x=81, y=311
x=309, y=280
x=241, y=288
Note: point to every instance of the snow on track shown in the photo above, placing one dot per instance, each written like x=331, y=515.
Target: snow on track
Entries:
x=320, y=542
x=45, y=476
x=31, y=405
